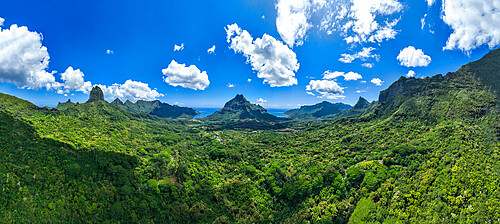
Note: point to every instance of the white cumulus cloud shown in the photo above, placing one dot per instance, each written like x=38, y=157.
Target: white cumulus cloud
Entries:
x=178, y=48
x=24, y=60
x=260, y=100
x=363, y=20
x=358, y=21
x=410, y=73
x=411, y=57
x=364, y=54
x=367, y=65
x=430, y=2
x=109, y=51
x=249, y=80
x=188, y=77
x=349, y=76
x=474, y=23
x=132, y=90
x=327, y=88
x=230, y=85
x=211, y=50
x=273, y=60
x=377, y=81
x=73, y=81
x=292, y=20
x=1, y=21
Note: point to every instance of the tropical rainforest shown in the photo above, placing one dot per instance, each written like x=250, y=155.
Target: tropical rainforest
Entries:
x=426, y=152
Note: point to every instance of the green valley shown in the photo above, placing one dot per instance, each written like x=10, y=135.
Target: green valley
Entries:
x=426, y=152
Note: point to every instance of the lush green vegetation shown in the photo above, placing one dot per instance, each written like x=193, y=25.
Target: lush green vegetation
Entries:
x=156, y=108
x=427, y=152
x=318, y=110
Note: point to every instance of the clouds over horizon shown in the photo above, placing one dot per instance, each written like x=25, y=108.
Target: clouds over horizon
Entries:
x=73, y=81
x=185, y=76
x=274, y=61
x=24, y=62
x=132, y=90
x=411, y=57
x=479, y=26
x=328, y=87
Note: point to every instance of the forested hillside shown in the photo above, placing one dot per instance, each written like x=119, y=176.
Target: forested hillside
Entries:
x=426, y=152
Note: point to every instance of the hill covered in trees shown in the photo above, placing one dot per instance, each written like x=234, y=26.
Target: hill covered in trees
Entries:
x=318, y=110
x=426, y=152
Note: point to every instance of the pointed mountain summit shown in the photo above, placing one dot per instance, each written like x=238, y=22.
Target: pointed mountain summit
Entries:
x=360, y=107
x=117, y=102
x=318, y=110
x=362, y=104
x=96, y=94
x=66, y=105
x=240, y=108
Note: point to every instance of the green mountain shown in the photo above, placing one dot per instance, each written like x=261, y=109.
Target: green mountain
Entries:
x=240, y=108
x=96, y=94
x=156, y=108
x=359, y=108
x=469, y=92
x=427, y=152
x=318, y=110
x=65, y=105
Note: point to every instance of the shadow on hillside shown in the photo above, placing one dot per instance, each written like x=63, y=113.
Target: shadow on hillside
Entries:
x=75, y=184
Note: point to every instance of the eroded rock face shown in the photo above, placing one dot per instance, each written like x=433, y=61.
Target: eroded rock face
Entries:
x=96, y=94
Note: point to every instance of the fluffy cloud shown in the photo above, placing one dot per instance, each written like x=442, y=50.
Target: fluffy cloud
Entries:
x=358, y=20
x=188, y=77
x=327, y=88
x=410, y=73
x=377, y=81
x=109, y=51
x=273, y=60
x=211, y=50
x=367, y=65
x=1, y=21
x=132, y=90
x=411, y=57
x=260, y=100
x=474, y=23
x=249, y=80
x=363, y=55
x=230, y=85
x=23, y=59
x=430, y=2
x=178, y=48
x=73, y=81
x=292, y=20
x=350, y=76
x=363, y=20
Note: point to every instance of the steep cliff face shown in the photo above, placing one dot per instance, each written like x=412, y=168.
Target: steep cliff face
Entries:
x=468, y=92
x=96, y=94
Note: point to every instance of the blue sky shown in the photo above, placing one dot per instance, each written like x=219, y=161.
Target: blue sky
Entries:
x=290, y=53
